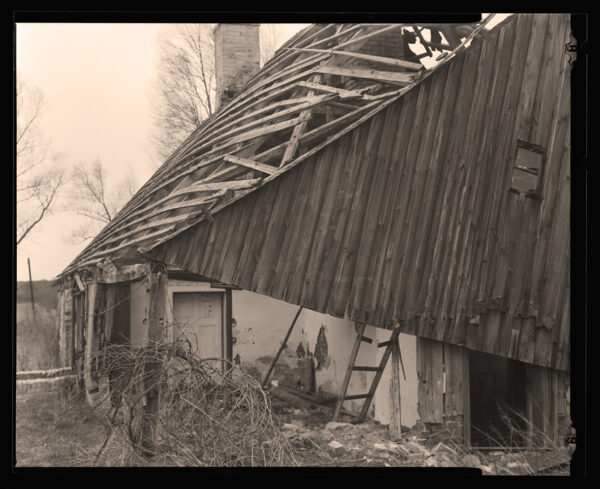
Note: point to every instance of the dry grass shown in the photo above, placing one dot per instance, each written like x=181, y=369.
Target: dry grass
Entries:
x=53, y=429
x=513, y=457
x=37, y=338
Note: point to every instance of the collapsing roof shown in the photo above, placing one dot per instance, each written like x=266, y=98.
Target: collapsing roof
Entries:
x=321, y=84
x=402, y=210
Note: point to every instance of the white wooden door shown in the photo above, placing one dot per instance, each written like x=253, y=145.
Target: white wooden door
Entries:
x=199, y=316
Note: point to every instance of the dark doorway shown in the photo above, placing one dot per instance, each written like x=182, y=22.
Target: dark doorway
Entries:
x=120, y=334
x=121, y=329
x=498, y=400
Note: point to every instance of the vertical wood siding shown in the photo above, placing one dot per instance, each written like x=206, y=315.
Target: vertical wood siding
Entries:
x=409, y=217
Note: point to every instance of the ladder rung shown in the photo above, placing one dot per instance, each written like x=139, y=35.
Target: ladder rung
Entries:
x=365, y=369
x=367, y=340
x=383, y=343
x=356, y=396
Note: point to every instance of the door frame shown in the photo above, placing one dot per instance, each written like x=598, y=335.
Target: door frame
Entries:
x=179, y=286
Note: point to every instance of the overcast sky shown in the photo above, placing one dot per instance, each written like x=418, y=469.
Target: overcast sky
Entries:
x=97, y=82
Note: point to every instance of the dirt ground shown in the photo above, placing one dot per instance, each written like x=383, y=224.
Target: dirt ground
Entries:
x=54, y=431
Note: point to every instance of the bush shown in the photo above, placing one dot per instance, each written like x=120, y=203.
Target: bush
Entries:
x=180, y=410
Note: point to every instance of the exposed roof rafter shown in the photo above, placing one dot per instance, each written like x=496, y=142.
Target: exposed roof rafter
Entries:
x=265, y=130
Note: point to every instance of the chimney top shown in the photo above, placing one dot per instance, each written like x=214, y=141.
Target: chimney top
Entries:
x=237, y=58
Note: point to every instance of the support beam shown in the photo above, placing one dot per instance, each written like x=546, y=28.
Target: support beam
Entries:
x=396, y=420
x=287, y=336
x=422, y=39
x=89, y=350
x=300, y=129
x=228, y=326
x=156, y=333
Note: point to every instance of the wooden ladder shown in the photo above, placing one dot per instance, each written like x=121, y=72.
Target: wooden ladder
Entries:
x=368, y=397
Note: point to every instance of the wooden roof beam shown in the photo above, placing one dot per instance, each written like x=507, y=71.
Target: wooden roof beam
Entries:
x=248, y=163
x=339, y=91
x=422, y=39
x=384, y=76
x=292, y=146
x=377, y=59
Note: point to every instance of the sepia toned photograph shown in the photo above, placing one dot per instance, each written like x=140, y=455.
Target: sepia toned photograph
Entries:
x=295, y=244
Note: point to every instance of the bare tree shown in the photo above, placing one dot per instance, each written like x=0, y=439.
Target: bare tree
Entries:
x=185, y=85
x=270, y=39
x=95, y=200
x=185, y=89
x=40, y=174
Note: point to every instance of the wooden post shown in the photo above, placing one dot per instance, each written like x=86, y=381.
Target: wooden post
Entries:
x=466, y=386
x=228, y=328
x=31, y=289
x=89, y=350
x=156, y=333
x=396, y=418
x=287, y=336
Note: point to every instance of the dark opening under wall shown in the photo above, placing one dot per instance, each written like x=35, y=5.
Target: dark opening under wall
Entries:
x=498, y=399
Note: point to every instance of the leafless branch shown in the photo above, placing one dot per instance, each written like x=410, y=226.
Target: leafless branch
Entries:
x=44, y=193
x=95, y=199
x=40, y=175
x=186, y=85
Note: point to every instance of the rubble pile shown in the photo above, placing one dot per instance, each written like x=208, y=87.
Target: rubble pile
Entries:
x=369, y=444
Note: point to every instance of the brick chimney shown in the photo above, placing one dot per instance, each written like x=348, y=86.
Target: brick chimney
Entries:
x=237, y=57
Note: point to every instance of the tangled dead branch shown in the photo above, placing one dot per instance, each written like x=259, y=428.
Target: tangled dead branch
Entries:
x=178, y=409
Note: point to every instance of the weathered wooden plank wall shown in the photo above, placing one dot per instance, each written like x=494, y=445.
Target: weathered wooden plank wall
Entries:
x=409, y=217
x=546, y=391
x=434, y=361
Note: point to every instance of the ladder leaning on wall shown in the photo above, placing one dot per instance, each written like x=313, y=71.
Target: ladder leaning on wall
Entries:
x=368, y=397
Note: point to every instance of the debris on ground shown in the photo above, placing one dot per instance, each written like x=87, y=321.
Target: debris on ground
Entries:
x=343, y=443
x=54, y=432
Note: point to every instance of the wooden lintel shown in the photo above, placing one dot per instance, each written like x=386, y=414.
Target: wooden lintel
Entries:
x=125, y=273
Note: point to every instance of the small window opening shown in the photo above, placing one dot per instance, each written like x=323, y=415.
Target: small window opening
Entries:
x=527, y=170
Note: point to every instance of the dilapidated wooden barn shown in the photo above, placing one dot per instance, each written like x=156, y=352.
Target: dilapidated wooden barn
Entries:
x=350, y=179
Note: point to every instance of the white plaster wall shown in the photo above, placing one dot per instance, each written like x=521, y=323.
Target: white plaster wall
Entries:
x=260, y=326
x=261, y=323
x=341, y=335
